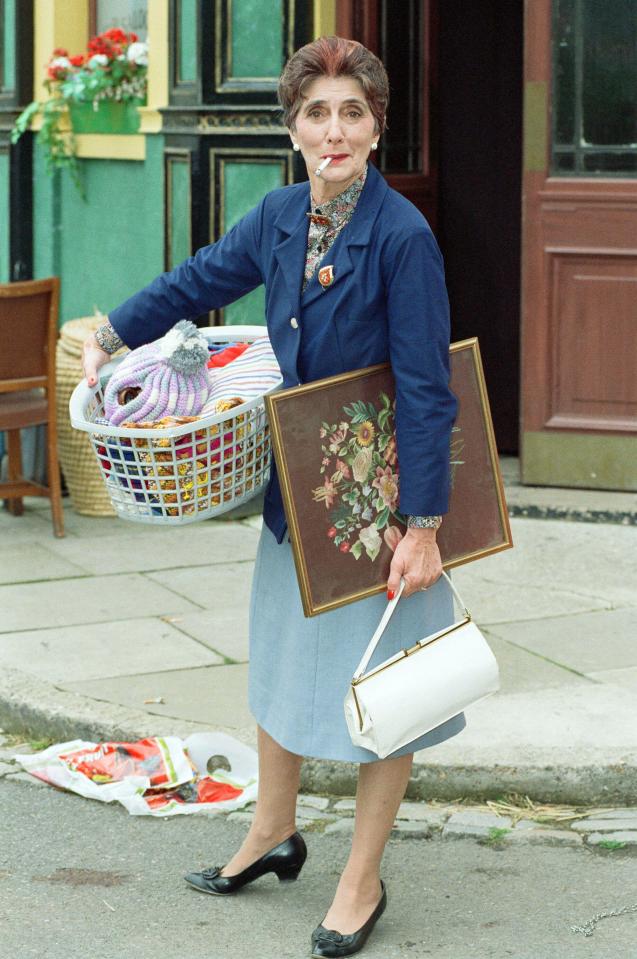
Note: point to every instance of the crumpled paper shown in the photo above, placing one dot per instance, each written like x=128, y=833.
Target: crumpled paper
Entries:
x=158, y=776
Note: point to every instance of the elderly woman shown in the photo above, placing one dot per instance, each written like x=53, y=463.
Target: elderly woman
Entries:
x=380, y=297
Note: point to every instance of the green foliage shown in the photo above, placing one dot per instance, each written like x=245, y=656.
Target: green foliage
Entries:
x=611, y=844
x=59, y=149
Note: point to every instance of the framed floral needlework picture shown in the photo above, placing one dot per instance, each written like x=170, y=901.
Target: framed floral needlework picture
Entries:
x=339, y=469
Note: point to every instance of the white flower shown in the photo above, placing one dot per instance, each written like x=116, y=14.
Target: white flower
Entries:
x=362, y=465
x=60, y=63
x=138, y=53
x=370, y=538
x=97, y=60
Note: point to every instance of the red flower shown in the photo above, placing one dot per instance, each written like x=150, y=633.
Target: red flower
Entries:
x=77, y=60
x=133, y=37
x=344, y=547
x=115, y=35
x=331, y=532
x=60, y=52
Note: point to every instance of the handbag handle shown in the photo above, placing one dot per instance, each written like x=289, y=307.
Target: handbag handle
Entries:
x=380, y=629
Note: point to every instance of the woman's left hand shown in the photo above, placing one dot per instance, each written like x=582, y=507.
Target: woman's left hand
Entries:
x=417, y=560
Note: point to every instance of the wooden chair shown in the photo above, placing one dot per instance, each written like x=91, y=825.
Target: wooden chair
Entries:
x=28, y=335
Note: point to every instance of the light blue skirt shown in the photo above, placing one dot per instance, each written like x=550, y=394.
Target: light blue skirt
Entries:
x=300, y=668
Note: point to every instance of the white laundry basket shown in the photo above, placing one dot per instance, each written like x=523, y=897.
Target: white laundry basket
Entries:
x=184, y=473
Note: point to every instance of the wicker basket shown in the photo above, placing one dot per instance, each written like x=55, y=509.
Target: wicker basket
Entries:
x=81, y=471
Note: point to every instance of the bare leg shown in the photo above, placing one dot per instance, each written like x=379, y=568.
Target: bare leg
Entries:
x=275, y=815
x=381, y=786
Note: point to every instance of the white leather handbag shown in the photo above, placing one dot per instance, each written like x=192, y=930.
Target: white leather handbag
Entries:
x=419, y=688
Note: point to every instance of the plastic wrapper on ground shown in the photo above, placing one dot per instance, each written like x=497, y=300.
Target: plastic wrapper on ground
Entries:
x=158, y=776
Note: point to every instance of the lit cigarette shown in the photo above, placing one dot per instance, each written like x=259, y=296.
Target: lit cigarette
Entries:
x=322, y=166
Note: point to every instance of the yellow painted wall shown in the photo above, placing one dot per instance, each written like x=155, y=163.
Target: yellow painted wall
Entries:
x=324, y=18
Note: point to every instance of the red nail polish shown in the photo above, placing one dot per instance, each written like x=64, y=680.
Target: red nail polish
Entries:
x=390, y=594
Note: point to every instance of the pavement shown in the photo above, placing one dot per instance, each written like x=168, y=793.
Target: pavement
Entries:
x=123, y=630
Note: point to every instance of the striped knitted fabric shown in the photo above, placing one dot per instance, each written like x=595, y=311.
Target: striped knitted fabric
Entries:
x=170, y=374
x=252, y=374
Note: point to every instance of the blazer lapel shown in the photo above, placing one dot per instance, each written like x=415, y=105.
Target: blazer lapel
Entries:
x=291, y=251
x=358, y=232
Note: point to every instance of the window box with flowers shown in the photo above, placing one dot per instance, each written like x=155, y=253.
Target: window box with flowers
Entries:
x=94, y=92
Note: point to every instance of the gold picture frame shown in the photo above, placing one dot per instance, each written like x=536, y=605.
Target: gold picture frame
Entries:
x=338, y=432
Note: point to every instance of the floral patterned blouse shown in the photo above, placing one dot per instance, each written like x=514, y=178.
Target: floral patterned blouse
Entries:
x=327, y=219
x=326, y=222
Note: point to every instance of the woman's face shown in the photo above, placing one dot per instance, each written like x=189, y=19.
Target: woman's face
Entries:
x=334, y=120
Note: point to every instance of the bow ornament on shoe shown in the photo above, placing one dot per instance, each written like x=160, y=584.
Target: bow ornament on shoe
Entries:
x=327, y=935
x=212, y=872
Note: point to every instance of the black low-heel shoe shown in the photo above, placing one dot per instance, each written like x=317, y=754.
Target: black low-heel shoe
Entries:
x=329, y=944
x=286, y=860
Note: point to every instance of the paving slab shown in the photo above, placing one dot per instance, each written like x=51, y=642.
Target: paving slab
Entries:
x=213, y=695
x=103, y=650
x=137, y=546
x=597, y=561
x=514, y=731
x=521, y=670
x=30, y=562
x=225, y=586
x=626, y=678
x=224, y=631
x=28, y=528
x=95, y=599
x=495, y=599
x=586, y=642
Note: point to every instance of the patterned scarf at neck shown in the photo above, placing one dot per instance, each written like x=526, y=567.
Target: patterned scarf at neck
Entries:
x=327, y=219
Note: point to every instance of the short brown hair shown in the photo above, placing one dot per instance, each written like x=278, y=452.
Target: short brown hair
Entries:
x=333, y=57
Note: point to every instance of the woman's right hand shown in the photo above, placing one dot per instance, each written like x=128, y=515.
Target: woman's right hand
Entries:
x=93, y=356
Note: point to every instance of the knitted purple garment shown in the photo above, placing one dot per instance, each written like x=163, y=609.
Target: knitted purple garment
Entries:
x=170, y=373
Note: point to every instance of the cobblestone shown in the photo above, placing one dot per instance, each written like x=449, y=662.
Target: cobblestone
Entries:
x=471, y=817
x=314, y=802
x=306, y=814
x=627, y=813
x=240, y=815
x=421, y=812
x=624, y=836
x=410, y=829
x=345, y=804
x=547, y=837
x=341, y=826
x=604, y=825
x=6, y=768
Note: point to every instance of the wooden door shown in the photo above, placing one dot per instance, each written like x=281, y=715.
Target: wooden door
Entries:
x=579, y=282
x=403, y=35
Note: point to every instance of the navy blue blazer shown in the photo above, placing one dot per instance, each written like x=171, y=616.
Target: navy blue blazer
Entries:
x=387, y=302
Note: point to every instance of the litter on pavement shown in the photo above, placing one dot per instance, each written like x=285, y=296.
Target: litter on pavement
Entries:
x=158, y=776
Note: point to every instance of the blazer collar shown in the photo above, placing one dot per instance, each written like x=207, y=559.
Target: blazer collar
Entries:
x=292, y=221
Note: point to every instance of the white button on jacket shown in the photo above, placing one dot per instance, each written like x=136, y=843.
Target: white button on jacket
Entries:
x=294, y=323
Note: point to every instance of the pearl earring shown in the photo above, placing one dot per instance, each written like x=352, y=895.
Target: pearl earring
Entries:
x=374, y=146
x=296, y=147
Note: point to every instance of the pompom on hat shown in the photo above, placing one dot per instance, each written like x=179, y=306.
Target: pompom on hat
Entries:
x=165, y=378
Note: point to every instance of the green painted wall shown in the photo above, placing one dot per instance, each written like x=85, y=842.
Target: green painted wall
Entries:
x=179, y=213
x=7, y=80
x=257, y=28
x=109, y=247
x=187, y=39
x=244, y=185
x=4, y=217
